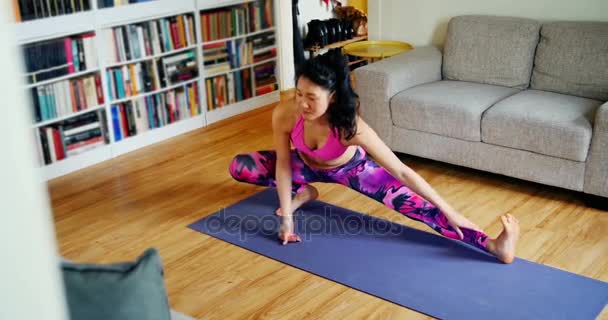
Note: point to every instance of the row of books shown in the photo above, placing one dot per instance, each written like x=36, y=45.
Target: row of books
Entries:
x=264, y=47
x=227, y=55
x=146, y=76
x=35, y=9
x=237, y=20
x=266, y=89
x=72, y=136
x=117, y=3
x=142, y=114
x=59, y=57
x=135, y=41
x=228, y=88
x=62, y=98
x=265, y=79
x=223, y=56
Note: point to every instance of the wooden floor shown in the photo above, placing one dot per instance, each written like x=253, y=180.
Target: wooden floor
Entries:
x=115, y=210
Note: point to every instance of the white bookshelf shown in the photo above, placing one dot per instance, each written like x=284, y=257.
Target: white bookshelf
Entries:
x=160, y=55
x=240, y=36
x=161, y=90
x=66, y=77
x=71, y=115
x=78, y=162
x=55, y=27
x=152, y=136
x=249, y=65
x=138, y=12
x=211, y=4
x=231, y=109
x=242, y=106
x=100, y=20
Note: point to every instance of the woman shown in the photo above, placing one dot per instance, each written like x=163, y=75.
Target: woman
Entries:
x=331, y=145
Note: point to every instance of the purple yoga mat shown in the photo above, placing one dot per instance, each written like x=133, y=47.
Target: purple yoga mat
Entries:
x=416, y=269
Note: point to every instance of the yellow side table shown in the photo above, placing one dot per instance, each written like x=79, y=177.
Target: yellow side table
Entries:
x=376, y=49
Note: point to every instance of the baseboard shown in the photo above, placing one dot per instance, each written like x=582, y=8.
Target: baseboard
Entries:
x=595, y=202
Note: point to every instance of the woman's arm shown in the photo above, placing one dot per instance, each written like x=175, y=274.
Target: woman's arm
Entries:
x=281, y=126
x=283, y=166
x=368, y=139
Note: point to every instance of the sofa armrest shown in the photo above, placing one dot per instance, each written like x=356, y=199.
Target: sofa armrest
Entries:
x=596, y=171
x=378, y=82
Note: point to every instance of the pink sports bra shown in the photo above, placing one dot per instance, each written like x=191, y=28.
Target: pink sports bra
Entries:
x=332, y=149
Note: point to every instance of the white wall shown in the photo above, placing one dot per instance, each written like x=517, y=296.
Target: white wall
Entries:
x=374, y=19
x=31, y=286
x=425, y=22
x=285, y=43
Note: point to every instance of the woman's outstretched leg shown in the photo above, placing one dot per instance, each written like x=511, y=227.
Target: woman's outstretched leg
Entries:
x=259, y=168
x=367, y=177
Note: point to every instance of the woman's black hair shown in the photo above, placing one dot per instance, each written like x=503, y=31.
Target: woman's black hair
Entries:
x=330, y=71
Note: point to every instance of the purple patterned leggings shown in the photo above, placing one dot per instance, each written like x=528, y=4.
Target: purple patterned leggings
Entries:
x=361, y=174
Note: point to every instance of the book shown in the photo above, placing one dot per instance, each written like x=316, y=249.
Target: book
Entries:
x=55, y=58
x=154, y=111
x=72, y=136
x=26, y=10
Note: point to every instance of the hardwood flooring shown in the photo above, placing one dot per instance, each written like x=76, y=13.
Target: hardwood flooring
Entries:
x=113, y=211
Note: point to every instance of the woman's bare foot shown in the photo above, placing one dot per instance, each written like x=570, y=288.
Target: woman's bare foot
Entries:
x=308, y=194
x=503, y=247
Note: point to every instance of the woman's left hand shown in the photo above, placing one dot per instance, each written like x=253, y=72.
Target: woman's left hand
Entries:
x=286, y=231
x=457, y=221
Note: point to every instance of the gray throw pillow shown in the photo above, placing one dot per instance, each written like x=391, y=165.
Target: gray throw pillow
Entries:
x=118, y=291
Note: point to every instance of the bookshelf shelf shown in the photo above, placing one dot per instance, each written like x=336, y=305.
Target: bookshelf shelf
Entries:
x=212, y=4
x=75, y=114
x=189, y=95
x=240, y=36
x=242, y=106
x=74, y=163
x=156, y=135
x=54, y=27
x=44, y=70
x=137, y=12
x=112, y=65
x=66, y=77
x=274, y=83
x=155, y=91
x=240, y=68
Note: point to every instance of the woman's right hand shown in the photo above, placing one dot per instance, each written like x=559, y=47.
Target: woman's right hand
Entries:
x=286, y=231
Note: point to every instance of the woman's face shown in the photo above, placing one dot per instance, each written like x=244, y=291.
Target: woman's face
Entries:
x=312, y=100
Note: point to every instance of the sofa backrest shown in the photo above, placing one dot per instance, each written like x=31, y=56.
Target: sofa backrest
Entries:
x=491, y=50
x=572, y=58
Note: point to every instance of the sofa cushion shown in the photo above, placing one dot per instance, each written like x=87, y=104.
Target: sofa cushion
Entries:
x=543, y=122
x=490, y=50
x=449, y=108
x=128, y=290
x=572, y=58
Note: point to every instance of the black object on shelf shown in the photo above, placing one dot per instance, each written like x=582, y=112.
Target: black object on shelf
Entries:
x=298, y=44
x=325, y=32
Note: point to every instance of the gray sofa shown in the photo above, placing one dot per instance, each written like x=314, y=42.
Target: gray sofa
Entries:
x=507, y=95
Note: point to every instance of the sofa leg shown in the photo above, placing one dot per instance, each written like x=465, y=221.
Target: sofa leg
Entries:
x=595, y=202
